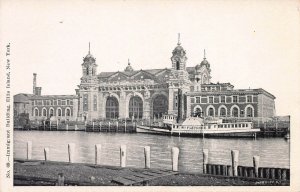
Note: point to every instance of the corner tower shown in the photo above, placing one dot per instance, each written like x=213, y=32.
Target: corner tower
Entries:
x=179, y=56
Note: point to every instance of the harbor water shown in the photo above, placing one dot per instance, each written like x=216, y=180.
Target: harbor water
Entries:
x=273, y=152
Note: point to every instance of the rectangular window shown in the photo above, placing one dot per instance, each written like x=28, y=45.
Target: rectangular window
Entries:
x=203, y=99
x=47, y=102
x=192, y=100
x=223, y=99
x=63, y=102
x=197, y=99
x=68, y=102
x=249, y=99
x=95, y=102
x=55, y=102
x=58, y=102
x=85, y=102
x=228, y=99
x=44, y=102
x=234, y=99
x=216, y=99
x=71, y=102
x=211, y=99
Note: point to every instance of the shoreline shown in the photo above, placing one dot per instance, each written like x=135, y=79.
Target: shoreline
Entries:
x=45, y=173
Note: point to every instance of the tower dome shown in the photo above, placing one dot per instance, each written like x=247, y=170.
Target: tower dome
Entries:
x=204, y=62
x=128, y=68
x=89, y=57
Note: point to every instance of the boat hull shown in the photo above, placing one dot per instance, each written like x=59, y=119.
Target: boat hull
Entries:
x=206, y=133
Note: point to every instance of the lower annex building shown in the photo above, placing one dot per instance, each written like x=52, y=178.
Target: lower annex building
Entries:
x=149, y=93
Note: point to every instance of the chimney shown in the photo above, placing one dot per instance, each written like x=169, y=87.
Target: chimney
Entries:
x=38, y=91
x=34, y=83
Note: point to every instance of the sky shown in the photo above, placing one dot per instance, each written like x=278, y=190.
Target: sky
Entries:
x=252, y=44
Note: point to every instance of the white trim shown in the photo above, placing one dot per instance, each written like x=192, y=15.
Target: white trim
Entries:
x=50, y=110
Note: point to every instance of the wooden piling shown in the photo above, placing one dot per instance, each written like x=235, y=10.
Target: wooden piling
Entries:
x=109, y=126
x=50, y=124
x=57, y=124
x=71, y=151
x=123, y=156
x=218, y=169
x=100, y=125
x=279, y=173
x=125, y=126
x=214, y=169
x=256, y=165
x=147, y=156
x=224, y=170
x=175, y=155
x=229, y=170
x=61, y=179
x=267, y=173
x=235, y=161
x=205, y=160
x=245, y=172
x=251, y=172
x=97, y=154
x=47, y=153
x=67, y=127
x=261, y=172
x=209, y=169
x=29, y=150
x=284, y=174
x=117, y=124
x=93, y=126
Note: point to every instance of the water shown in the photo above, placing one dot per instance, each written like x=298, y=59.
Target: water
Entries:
x=273, y=152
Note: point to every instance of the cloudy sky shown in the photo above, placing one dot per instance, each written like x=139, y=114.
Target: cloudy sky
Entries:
x=248, y=43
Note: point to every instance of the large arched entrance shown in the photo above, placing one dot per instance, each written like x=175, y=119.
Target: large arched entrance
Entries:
x=160, y=106
x=112, y=108
x=136, y=107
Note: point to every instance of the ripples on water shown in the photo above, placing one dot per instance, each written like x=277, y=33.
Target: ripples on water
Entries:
x=273, y=152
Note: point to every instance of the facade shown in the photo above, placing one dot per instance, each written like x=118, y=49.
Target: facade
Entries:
x=150, y=93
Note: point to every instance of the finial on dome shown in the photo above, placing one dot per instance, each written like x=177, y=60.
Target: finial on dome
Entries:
x=89, y=48
x=178, y=39
x=204, y=55
x=128, y=62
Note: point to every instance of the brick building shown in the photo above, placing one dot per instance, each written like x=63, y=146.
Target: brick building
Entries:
x=150, y=93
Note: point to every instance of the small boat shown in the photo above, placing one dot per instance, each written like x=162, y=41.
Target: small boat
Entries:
x=196, y=126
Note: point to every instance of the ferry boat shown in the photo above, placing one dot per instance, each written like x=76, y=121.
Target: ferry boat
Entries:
x=197, y=126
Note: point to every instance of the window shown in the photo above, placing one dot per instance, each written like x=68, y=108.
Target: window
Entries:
x=249, y=99
x=192, y=88
x=68, y=112
x=44, y=112
x=51, y=112
x=223, y=99
x=211, y=99
x=222, y=112
x=63, y=102
x=58, y=102
x=59, y=112
x=44, y=102
x=136, y=108
x=211, y=112
x=71, y=102
x=249, y=112
x=197, y=99
x=235, y=112
x=68, y=102
x=85, y=102
x=36, y=112
x=192, y=100
x=112, y=108
x=55, y=102
x=235, y=99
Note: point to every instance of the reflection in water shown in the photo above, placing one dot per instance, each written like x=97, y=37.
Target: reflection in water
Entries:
x=273, y=152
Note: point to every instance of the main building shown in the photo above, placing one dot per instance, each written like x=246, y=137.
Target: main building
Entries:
x=149, y=93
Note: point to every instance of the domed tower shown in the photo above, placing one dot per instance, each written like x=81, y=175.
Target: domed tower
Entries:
x=179, y=57
x=89, y=66
x=205, y=70
x=128, y=68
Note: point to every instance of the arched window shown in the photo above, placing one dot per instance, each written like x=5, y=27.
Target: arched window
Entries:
x=222, y=112
x=177, y=65
x=136, y=107
x=235, y=112
x=36, y=112
x=197, y=112
x=211, y=112
x=51, y=112
x=249, y=112
x=112, y=108
x=68, y=112
x=44, y=112
x=59, y=112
